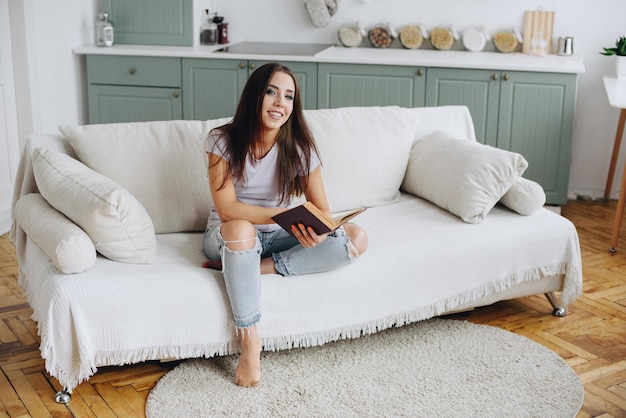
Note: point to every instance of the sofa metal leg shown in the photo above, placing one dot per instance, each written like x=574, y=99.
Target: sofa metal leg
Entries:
x=559, y=310
x=63, y=396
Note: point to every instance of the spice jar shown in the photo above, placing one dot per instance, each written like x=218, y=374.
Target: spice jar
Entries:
x=351, y=35
x=104, y=30
x=381, y=36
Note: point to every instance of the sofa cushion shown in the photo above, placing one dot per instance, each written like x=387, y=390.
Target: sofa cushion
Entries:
x=163, y=164
x=364, y=151
x=462, y=176
x=68, y=247
x=524, y=197
x=116, y=222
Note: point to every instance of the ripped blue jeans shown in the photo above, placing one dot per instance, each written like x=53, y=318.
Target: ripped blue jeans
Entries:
x=242, y=271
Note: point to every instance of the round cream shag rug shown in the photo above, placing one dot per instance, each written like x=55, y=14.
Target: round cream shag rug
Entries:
x=434, y=368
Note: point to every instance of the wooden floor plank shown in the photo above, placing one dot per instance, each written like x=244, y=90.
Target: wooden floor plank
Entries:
x=591, y=338
x=28, y=395
x=10, y=400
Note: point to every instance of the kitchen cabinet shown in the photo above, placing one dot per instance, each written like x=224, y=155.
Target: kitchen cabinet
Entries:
x=479, y=90
x=132, y=89
x=536, y=119
x=213, y=86
x=530, y=110
x=531, y=113
x=343, y=85
x=151, y=22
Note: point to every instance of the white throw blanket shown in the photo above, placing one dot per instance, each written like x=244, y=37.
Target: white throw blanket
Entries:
x=98, y=318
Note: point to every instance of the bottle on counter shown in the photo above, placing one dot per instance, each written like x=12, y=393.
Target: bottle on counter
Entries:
x=208, y=30
x=104, y=30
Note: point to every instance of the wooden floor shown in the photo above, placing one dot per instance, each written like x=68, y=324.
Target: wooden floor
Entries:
x=591, y=338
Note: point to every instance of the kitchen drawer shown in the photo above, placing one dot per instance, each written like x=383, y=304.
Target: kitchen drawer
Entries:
x=133, y=71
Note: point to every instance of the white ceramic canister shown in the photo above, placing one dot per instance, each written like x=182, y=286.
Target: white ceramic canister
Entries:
x=475, y=39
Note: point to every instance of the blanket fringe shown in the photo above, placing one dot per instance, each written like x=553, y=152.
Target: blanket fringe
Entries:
x=88, y=367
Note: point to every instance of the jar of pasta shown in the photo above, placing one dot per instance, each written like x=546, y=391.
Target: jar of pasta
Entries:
x=506, y=41
x=443, y=38
x=411, y=36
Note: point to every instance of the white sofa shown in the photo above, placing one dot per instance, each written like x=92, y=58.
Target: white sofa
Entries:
x=146, y=210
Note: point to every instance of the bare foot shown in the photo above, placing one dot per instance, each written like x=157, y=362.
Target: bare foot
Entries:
x=248, y=371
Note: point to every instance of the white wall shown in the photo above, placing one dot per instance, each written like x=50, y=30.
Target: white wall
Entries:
x=60, y=26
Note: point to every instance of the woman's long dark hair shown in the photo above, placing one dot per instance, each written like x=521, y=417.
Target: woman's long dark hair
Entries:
x=245, y=132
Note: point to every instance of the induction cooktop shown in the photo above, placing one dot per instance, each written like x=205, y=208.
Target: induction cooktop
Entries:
x=274, y=48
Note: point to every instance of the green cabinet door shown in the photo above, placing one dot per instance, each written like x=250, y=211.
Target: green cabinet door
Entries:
x=113, y=104
x=213, y=86
x=306, y=74
x=152, y=22
x=133, y=89
x=479, y=90
x=536, y=120
x=343, y=85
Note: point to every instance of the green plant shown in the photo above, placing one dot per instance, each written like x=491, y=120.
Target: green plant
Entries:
x=618, y=49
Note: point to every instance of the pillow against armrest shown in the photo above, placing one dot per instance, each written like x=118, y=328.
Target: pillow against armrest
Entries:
x=462, y=176
x=68, y=247
x=116, y=222
x=524, y=197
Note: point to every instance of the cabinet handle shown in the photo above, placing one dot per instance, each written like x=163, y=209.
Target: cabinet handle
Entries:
x=506, y=77
x=252, y=66
x=176, y=94
x=132, y=70
x=420, y=72
x=242, y=65
x=495, y=76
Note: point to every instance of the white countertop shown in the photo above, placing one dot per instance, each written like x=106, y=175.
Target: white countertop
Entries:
x=364, y=55
x=616, y=91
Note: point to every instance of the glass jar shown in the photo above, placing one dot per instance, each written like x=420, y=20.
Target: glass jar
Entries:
x=104, y=30
x=443, y=38
x=351, y=35
x=381, y=36
x=507, y=41
x=539, y=45
x=411, y=37
x=208, y=31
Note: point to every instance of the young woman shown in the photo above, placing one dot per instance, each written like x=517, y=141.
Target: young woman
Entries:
x=257, y=163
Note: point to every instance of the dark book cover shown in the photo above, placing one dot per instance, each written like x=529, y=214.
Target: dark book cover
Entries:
x=309, y=215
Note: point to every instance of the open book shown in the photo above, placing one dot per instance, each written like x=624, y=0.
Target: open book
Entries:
x=310, y=215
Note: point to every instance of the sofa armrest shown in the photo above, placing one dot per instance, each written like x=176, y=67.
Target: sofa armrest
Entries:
x=25, y=178
x=69, y=248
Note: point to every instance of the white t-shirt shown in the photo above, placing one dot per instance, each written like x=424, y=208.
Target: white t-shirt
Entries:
x=261, y=186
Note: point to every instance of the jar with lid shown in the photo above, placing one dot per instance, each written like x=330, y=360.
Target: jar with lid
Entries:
x=104, y=30
x=351, y=34
x=443, y=38
x=507, y=41
x=381, y=36
x=539, y=45
x=412, y=36
x=208, y=30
